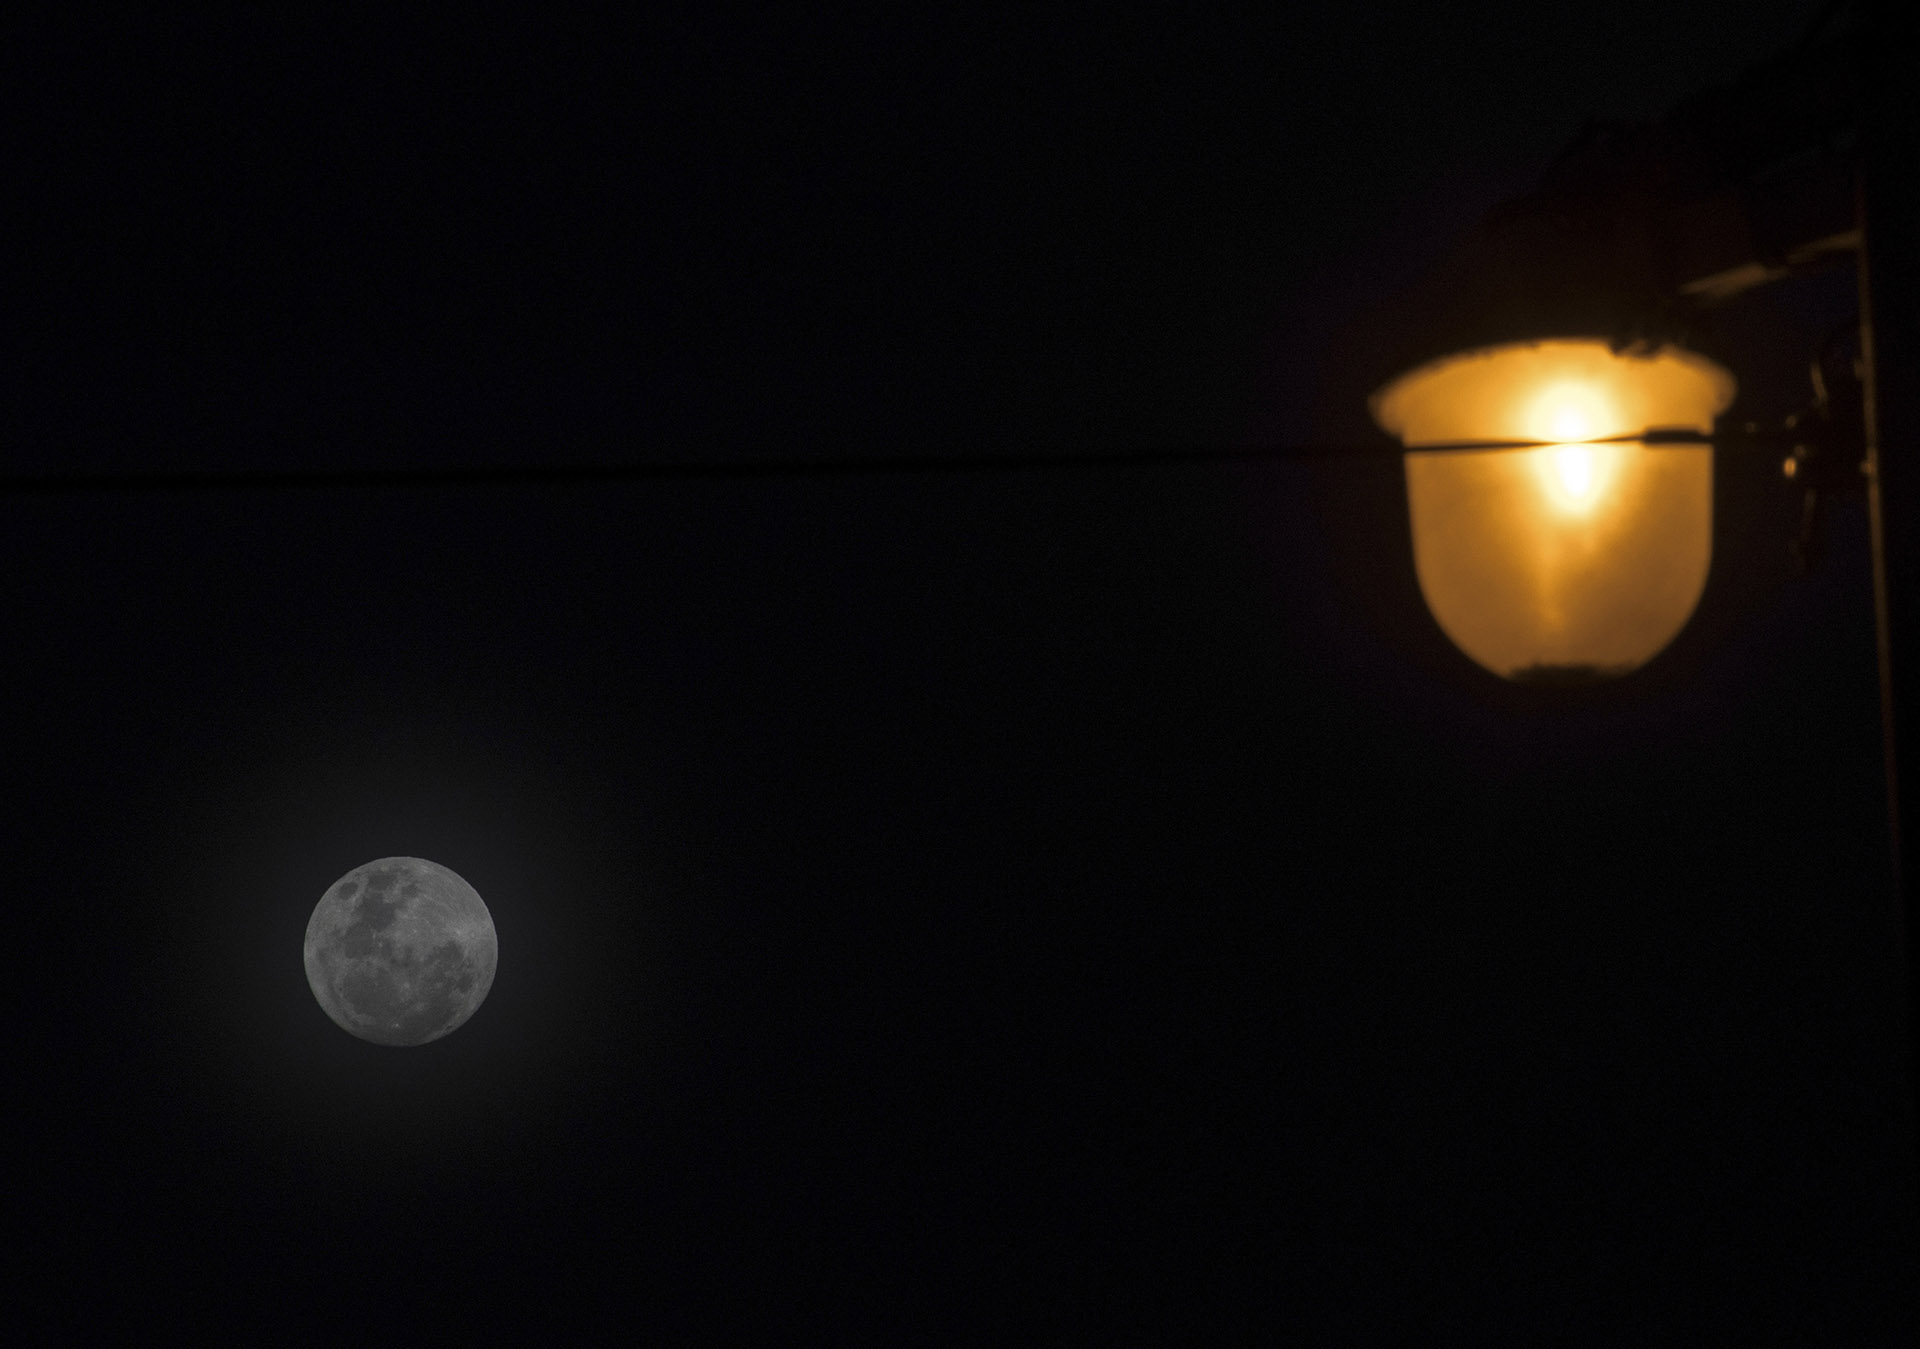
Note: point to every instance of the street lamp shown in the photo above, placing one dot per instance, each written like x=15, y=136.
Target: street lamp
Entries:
x=1558, y=407
x=1553, y=382
x=1583, y=557
x=1558, y=387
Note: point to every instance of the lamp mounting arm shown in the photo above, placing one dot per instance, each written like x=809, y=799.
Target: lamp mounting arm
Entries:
x=1828, y=441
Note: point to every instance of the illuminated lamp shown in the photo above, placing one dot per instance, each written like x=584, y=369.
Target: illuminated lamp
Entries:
x=1580, y=558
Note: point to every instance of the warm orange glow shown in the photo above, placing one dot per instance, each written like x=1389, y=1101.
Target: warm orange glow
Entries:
x=1575, y=559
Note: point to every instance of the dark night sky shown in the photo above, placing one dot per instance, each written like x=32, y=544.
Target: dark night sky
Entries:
x=1055, y=905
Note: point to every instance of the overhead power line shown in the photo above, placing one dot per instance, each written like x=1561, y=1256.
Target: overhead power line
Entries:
x=193, y=480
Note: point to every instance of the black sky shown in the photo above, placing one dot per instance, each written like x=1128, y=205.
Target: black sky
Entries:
x=1056, y=905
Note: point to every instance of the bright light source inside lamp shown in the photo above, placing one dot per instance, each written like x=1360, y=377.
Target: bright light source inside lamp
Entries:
x=1573, y=469
x=1570, y=412
x=1574, y=476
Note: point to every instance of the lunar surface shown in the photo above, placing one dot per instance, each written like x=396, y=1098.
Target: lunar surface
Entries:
x=400, y=951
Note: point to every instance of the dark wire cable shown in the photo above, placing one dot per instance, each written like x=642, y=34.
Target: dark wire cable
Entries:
x=150, y=480
x=227, y=479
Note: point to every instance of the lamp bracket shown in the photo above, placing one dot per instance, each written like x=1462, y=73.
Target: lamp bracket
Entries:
x=1826, y=442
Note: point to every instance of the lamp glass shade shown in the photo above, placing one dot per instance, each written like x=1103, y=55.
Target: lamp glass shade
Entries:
x=1573, y=561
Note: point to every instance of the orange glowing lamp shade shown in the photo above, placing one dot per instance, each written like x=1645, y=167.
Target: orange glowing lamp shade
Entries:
x=1574, y=561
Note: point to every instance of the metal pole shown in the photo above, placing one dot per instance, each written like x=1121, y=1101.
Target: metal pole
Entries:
x=1888, y=262
x=1877, y=535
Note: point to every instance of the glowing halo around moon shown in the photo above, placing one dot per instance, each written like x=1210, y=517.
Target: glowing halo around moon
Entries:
x=400, y=951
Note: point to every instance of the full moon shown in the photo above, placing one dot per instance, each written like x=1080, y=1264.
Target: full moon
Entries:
x=400, y=951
